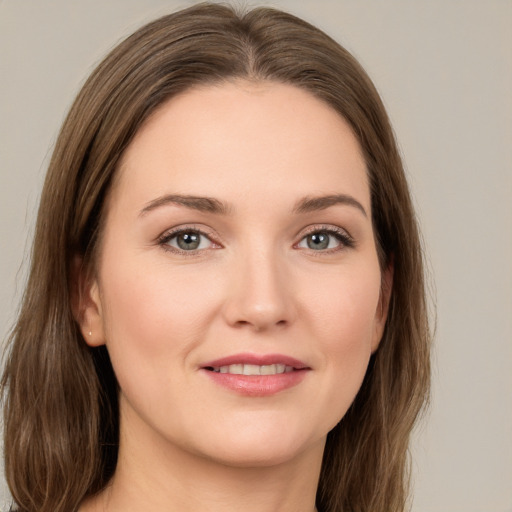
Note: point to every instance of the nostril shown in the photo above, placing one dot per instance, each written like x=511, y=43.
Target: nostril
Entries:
x=252, y=309
x=260, y=325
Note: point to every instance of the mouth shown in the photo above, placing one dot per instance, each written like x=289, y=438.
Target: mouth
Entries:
x=256, y=375
x=255, y=364
x=252, y=369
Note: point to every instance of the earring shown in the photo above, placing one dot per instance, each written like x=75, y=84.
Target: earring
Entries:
x=90, y=333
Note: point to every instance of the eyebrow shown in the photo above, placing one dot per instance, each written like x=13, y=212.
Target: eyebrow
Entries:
x=212, y=205
x=202, y=204
x=310, y=204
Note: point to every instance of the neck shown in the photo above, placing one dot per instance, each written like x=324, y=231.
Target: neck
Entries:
x=162, y=477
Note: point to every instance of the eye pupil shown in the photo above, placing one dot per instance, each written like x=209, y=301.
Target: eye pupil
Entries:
x=318, y=241
x=188, y=241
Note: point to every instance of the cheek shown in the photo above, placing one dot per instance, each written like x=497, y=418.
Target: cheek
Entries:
x=344, y=305
x=345, y=329
x=153, y=317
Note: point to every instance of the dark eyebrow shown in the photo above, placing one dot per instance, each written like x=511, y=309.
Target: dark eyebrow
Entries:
x=212, y=205
x=309, y=204
x=203, y=204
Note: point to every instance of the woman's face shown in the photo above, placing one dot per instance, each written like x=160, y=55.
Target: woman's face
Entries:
x=238, y=286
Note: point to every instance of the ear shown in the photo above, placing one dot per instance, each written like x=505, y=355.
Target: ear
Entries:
x=381, y=313
x=86, y=303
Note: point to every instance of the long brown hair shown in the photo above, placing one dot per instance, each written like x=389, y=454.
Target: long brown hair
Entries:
x=61, y=412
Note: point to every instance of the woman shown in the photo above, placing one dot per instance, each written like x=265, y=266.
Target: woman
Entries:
x=226, y=304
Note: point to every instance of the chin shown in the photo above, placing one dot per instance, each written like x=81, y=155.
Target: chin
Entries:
x=255, y=457
x=263, y=447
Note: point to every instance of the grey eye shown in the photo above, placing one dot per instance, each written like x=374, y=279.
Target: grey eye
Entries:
x=320, y=240
x=189, y=241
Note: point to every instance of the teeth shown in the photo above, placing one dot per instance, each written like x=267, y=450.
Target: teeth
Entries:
x=238, y=369
x=254, y=369
x=251, y=369
x=269, y=369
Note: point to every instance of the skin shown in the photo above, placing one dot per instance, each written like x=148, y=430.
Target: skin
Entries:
x=253, y=286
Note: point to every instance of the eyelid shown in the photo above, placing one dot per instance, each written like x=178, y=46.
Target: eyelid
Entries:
x=345, y=238
x=163, y=239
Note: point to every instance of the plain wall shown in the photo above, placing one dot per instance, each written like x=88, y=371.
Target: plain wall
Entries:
x=444, y=69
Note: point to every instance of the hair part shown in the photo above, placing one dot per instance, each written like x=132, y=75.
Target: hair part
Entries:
x=61, y=412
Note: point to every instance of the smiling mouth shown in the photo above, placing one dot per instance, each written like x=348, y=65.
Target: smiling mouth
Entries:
x=256, y=375
x=252, y=369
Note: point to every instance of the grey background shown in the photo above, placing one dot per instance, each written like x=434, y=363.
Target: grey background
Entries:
x=444, y=69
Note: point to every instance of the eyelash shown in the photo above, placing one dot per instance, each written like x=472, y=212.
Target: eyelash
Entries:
x=164, y=240
x=346, y=241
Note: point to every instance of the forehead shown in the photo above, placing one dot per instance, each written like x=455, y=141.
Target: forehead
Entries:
x=244, y=140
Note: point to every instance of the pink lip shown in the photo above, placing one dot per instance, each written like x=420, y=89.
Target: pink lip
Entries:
x=258, y=359
x=257, y=385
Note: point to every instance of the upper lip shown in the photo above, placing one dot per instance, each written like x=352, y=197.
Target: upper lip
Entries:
x=256, y=359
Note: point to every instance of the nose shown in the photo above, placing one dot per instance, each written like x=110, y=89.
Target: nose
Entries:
x=260, y=293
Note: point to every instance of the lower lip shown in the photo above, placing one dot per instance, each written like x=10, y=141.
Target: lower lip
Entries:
x=258, y=385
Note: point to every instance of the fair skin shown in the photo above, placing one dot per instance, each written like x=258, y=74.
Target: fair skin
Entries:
x=215, y=246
